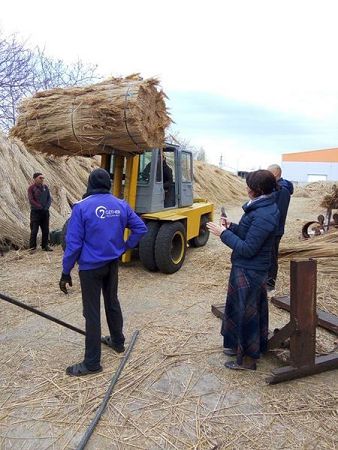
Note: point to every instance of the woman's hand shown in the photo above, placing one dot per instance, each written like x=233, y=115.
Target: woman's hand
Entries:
x=215, y=229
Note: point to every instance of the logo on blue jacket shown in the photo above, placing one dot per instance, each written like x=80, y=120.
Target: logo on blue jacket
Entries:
x=102, y=212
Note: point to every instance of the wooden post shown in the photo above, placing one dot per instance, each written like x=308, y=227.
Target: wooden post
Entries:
x=303, y=310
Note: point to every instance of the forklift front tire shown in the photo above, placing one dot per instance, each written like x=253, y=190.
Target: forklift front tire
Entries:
x=170, y=247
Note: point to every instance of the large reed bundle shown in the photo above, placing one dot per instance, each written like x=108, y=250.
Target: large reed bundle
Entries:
x=127, y=114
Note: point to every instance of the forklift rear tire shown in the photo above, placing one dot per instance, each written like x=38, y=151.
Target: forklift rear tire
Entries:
x=170, y=247
x=147, y=246
x=203, y=237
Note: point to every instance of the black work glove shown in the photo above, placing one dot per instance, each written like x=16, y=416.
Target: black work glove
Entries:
x=65, y=279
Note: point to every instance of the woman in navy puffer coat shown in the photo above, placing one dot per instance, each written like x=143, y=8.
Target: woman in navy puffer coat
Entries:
x=245, y=322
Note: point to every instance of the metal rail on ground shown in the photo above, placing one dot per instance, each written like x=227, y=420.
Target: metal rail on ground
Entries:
x=106, y=398
x=45, y=315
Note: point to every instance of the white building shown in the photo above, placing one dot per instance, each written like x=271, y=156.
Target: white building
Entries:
x=306, y=167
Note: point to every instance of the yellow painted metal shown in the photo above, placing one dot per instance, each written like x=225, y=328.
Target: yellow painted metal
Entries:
x=180, y=256
x=131, y=180
x=191, y=214
x=118, y=176
x=130, y=193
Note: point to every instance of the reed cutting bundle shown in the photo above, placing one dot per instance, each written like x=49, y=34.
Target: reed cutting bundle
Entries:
x=330, y=201
x=127, y=114
x=325, y=246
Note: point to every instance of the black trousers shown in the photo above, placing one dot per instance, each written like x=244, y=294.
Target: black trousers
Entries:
x=39, y=218
x=272, y=276
x=92, y=282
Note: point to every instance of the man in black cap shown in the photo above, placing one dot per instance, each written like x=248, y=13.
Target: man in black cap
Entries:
x=95, y=240
x=40, y=200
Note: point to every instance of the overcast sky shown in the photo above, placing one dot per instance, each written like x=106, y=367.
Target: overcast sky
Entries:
x=248, y=80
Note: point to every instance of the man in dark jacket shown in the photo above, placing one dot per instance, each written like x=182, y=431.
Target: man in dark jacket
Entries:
x=95, y=240
x=40, y=201
x=282, y=198
x=276, y=170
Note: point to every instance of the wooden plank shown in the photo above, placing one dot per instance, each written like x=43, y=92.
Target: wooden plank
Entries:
x=325, y=320
x=322, y=363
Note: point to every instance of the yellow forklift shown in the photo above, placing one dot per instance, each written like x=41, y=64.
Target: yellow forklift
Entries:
x=158, y=185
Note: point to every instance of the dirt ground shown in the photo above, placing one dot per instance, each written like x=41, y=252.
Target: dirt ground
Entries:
x=174, y=392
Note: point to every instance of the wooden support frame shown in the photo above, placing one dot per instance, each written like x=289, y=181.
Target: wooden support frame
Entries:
x=303, y=317
x=301, y=329
x=324, y=319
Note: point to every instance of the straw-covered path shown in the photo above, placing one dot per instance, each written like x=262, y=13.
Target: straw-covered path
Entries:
x=174, y=392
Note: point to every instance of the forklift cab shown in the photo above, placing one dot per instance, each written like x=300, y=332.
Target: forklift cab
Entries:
x=164, y=180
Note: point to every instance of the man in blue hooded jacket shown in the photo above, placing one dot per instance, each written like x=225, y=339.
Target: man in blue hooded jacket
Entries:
x=95, y=240
x=282, y=199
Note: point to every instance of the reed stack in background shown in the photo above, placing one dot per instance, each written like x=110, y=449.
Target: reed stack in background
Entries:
x=126, y=114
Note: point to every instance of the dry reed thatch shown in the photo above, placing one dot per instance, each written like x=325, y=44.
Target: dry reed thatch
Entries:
x=127, y=114
x=66, y=177
x=330, y=201
x=324, y=246
x=174, y=392
x=324, y=249
x=314, y=190
x=217, y=185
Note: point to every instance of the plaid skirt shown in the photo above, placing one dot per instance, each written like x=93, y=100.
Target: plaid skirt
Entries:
x=245, y=321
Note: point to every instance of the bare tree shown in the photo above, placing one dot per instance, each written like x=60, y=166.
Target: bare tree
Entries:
x=50, y=73
x=199, y=155
x=197, y=152
x=15, y=76
x=23, y=72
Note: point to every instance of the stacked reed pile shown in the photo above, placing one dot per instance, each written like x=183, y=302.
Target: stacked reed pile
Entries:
x=330, y=201
x=127, y=114
x=218, y=186
x=66, y=177
x=313, y=190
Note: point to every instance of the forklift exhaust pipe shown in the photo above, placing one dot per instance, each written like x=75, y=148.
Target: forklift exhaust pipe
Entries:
x=46, y=316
